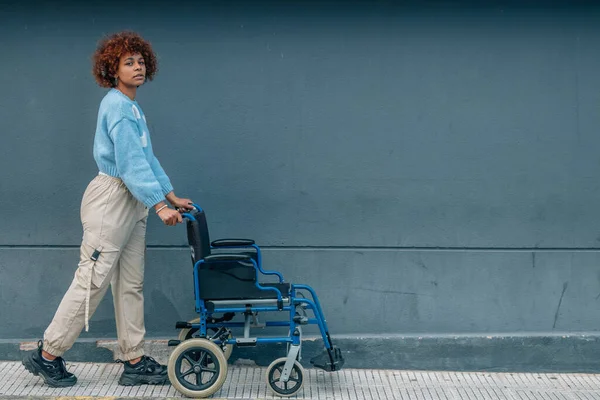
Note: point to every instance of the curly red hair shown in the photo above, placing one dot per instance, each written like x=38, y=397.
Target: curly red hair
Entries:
x=109, y=52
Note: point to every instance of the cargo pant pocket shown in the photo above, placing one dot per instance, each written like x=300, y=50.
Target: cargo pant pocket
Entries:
x=98, y=257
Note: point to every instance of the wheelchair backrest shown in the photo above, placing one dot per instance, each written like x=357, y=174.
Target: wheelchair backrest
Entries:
x=198, y=238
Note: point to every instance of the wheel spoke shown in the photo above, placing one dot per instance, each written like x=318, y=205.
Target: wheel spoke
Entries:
x=212, y=371
x=192, y=362
x=285, y=385
x=204, y=354
x=186, y=373
x=198, y=378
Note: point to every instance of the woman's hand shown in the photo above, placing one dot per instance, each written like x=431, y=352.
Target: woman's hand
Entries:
x=169, y=216
x=183, y=205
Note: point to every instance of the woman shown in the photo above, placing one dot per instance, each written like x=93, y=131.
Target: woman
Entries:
x=114, y=211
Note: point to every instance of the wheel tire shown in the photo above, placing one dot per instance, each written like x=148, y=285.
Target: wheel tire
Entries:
x=186, y=333
x=197, y=350
x=274, y=372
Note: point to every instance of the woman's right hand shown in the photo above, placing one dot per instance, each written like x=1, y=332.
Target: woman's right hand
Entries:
x=170, y=217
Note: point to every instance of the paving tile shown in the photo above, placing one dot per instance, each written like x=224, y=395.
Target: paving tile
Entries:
x=244, y=382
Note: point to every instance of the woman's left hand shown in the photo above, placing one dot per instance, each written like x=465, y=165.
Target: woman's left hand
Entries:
x=183, y=205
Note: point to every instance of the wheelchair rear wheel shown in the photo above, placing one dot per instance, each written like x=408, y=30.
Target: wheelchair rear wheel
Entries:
x=289, y=388
x=197, y=368
x=188, y=333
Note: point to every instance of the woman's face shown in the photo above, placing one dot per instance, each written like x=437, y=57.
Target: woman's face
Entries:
x=132, y=70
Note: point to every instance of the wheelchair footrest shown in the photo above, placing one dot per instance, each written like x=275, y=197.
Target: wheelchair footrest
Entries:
x=329, y=360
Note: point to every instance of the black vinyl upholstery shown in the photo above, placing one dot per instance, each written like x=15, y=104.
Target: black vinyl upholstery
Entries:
x=232, y=242
x=198, y=238
x=224, y=276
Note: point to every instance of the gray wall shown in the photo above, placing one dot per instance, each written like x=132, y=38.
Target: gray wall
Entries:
x=430, y=168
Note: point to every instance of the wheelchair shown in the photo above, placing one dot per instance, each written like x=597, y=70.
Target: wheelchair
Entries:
x=229, y=283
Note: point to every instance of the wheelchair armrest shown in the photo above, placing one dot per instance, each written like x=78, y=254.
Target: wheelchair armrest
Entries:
x=227, y=257
x=232, y=242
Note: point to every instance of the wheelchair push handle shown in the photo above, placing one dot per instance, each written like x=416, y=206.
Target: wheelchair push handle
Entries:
x=190, y=216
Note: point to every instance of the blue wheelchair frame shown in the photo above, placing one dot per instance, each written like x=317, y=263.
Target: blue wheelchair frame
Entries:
x=331, y=361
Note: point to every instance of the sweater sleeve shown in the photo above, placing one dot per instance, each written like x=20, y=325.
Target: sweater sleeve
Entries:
x=161, y=176
x=133, y=168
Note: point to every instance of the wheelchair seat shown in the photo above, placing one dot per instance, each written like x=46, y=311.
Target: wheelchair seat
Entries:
x=225, y=280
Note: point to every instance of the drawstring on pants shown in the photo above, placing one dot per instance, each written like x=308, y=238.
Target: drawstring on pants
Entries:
x=87, y=302
x=94, y=258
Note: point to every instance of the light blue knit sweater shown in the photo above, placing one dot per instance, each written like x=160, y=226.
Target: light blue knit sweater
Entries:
x=122, y=149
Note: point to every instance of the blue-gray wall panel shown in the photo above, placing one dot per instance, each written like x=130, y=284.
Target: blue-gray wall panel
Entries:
x=343, y=124
x=339, y=135
x=363, y=292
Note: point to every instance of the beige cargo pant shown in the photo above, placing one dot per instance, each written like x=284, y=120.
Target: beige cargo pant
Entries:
x=112, y=251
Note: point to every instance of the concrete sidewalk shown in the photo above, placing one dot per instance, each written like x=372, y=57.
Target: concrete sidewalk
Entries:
x=97, y=380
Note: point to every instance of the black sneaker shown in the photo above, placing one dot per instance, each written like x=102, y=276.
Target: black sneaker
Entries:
x=53, y=372
x=147, y=370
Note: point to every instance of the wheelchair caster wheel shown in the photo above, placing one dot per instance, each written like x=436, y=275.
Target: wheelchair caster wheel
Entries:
x=294, y=383
x=188, y=333
x=197, y=368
